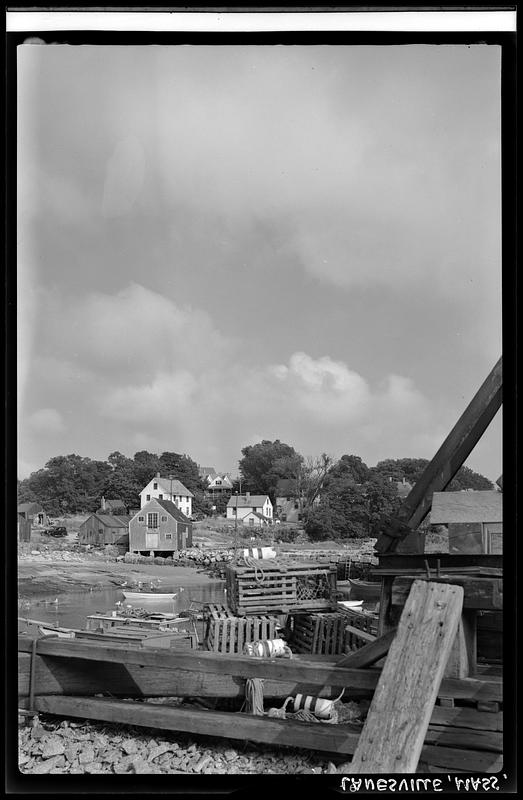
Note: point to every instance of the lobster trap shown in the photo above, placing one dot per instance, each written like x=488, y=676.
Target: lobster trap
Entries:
x=281, y=587
x=226, y=633
x=319, y=634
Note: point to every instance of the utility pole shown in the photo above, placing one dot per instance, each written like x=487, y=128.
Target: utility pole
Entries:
x=171, y=479
x=236, y=530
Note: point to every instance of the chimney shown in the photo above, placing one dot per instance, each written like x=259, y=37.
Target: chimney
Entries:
x=247, y=495
x=103, y=503
x=157, y=474
x=404, y=481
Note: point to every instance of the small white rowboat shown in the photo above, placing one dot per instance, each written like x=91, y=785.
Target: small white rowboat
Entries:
x=350, y=603
x=62, y=634
x=144, y=597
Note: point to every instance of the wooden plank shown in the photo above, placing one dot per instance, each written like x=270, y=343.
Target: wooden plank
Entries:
x=462, y=658
x=464, y=738
x=484, y=594
x=467, y=718
x=314, y=671
x=212, y=723
x=369, y=653
x=459, y=561
x=449, y=458
x=367, y=637
x=392, y=737
x=324, y=738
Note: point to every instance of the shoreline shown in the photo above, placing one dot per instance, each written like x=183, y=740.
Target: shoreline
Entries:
x=42, y=577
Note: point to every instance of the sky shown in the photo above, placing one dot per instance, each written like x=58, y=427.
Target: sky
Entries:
x=224, y=244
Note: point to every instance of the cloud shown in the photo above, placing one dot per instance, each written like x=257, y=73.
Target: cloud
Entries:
x=46, y=421
x=124, y=177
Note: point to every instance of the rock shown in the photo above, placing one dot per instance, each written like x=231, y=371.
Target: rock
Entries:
x=231, y=755
x=52, y=746
x=129, y=746
x=140, y=766
x=157, y=751
x=71, y=751
x=86, y=756
x=44, y=767
x=201, y=765
x=192, y=748
x=94, y=767
x=23, y=759
x=37, y=732
x=331, y=769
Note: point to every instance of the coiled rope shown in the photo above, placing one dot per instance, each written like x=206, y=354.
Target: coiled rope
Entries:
x=253, y=563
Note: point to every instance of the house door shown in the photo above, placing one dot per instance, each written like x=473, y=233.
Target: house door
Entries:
x=251, y=521
x=151, y=541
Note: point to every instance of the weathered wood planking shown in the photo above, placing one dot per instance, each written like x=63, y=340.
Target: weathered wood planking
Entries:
x=325, y=738
x=399, y=715
x=484, y=594
x=198, y=668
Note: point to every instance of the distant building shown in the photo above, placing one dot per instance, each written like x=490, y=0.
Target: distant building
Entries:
x=250, y=509
x=159, y=527
x=287, y=500
x=166, y=489
x=34, y=513
x=207, y=474
x=219, y=485
x=404, y=488
x=102, y=529
x=474, y=520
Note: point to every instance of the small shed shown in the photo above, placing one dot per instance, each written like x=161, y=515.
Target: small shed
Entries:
x=159, y=527
x=254, y=518
x=101, y=529
x=24, y=529
x=112, y=506
x=34, y=513
x=474, y=520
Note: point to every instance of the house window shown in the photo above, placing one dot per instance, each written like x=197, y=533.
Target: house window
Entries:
x=254, y=509
x=148, y=497
x=164, y=518
x=100, y=530
x=155, y=485
x=168, y=536
x=160, y=497
x=152, y=519
x=141, y=519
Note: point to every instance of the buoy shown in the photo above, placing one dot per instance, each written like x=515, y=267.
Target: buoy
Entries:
x=266, y=648
x=321, y=708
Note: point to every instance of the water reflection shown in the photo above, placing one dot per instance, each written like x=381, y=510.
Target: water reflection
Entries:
x=72, y=609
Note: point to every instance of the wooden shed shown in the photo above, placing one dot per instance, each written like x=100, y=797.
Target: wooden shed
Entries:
x=33, y=512
x=24, y=529
x=101, y=529
x=159, y=527
x=474, y=520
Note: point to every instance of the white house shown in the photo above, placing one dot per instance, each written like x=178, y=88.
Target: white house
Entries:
x=218, y=485
x=166, y=489
x=252, y=509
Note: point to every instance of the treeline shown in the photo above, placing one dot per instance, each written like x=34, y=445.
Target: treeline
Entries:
x=73, y=483
x=336, y=499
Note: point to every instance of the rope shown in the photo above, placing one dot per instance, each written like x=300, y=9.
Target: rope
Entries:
x=254, y=564
x=254, y=696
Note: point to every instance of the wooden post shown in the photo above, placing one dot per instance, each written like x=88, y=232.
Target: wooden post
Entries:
x=392, y=737
x=462, y=658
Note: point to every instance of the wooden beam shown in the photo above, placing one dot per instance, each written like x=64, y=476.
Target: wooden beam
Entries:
x=316, y=671
x=392, y=562
x=399, y=715
x=452, y=454
x=324, y=738
x=463, y=655
x=369, y=653
x=74, y=676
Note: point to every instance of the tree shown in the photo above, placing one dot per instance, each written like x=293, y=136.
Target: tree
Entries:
x=68, y=483
x=121, y=483
x=311, y=479
x=264, y=464
x=412, y=469
x=352, y=499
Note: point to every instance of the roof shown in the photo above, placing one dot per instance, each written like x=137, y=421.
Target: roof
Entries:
x=177, y=486
x=207, y=472
x=449, y=507
x=404, y=488
x=115, y=502
x=111, y=521
x=168, y=506
x=223, y=477
x=260, y=516
x=29, y=507
x=246, y=502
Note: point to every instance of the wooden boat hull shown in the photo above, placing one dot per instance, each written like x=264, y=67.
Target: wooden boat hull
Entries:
x=62, y=634
x=359, y=590
x=147, y=597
